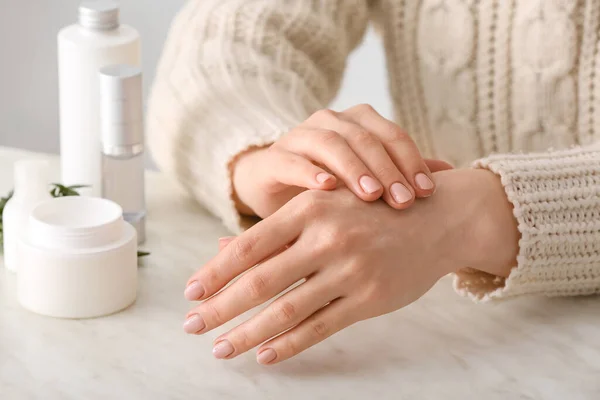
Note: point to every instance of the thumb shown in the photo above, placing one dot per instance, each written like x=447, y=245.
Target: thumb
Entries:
x=437, y=165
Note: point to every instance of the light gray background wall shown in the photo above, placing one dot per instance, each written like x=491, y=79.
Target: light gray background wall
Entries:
x=28, y=72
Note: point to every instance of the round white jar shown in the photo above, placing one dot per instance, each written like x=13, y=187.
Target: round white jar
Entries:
x=78, y=259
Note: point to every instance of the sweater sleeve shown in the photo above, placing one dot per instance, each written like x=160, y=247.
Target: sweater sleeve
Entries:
x=556, y=201
x=235, y=74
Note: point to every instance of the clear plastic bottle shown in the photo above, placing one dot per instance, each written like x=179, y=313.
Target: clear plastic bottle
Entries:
x=31, y=188
x=95, y=41
x=122, y=129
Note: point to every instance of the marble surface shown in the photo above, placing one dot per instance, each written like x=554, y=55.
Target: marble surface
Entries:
x=441, y=347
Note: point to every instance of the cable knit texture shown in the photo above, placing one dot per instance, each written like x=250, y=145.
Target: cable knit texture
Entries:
x=508, y=80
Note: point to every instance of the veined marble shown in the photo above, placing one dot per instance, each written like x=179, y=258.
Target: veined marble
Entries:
x=441, y=347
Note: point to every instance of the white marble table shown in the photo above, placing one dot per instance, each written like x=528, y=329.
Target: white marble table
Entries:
x=442, y=347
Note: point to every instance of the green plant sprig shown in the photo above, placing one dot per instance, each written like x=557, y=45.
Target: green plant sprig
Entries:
x=57, y=190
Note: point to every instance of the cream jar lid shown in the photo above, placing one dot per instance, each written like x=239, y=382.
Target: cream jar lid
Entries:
x=78, y=259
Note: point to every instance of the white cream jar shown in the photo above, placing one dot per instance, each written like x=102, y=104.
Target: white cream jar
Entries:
x=78, y=259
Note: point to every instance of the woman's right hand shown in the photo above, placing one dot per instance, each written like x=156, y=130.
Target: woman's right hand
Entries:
x=371, y=155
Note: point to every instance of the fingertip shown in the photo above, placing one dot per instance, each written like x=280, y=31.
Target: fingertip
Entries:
x=424, y=185
x=325, y=179
x=370, y=197
x=194, y=291
x=402, y=196
x=224, y=241
x=371, y=188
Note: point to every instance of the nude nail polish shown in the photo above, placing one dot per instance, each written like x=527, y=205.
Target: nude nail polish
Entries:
x=266, y=356
x=400, y=193
x=225, y=239
x=323, y=177
x=423, y=181
x=369, y=185
x=223, y=349
x=194, y=324
x=194, y=291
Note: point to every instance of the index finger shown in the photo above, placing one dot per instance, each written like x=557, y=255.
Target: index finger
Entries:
x=399, y=145
x=244, y=252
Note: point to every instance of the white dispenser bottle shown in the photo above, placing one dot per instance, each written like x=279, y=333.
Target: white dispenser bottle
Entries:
x=95, y=41
x=31, y=188
x=122, y=122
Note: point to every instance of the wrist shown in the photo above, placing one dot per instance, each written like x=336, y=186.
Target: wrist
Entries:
x=241, y=174
x=488, y=238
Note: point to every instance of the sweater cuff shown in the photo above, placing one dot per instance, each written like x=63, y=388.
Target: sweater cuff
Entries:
x=229, y=151
x=556, y=200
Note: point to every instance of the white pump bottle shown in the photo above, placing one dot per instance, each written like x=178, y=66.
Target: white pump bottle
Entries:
x=97, y=40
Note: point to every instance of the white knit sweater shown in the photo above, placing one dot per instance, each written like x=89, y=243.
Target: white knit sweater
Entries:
x=468, y=79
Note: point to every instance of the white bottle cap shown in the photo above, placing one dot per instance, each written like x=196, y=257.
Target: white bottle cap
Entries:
x=121, y=110
x=99, y=14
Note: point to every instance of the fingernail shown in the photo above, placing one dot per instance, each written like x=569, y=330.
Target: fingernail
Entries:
x=266, y=356
x=423, y=181
x=225, y=240
x=194, y=291
x=369, y=185
x=222, y=349
x=400, y=193
x=194, y=324
x=324, y=177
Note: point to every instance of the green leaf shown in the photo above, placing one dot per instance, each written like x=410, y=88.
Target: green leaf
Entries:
x=59, y=190
x=3, y=202
x=141, y=254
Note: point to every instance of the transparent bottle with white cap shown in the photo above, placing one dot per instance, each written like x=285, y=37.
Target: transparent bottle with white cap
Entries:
x=31, y=188
x=96, y=40
x=122, y=127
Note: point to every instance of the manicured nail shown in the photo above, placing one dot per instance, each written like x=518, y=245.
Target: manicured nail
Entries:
x=369, y=185
x=324, y=177
x=194, y=324
x=400, y=193
x=266, y=356
x=224, y=241
x=222, y=349
x=194, y=291
x=423, y=181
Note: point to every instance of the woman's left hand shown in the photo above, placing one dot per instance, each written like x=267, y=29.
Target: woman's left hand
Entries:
x=359, y=260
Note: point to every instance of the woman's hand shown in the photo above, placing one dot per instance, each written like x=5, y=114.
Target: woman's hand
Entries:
x=358, y=261
x=371, y=155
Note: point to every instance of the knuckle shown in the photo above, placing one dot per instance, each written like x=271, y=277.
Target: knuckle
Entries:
x=363, y=108
x=244, y=247
x=290, y=347
x=401, y=140
x=374, y=294
x=394, y=131
x=241, y=340
x=352, y=273
x=256, y=287
x=210, y=278
x=332, y=236
x=364, y=138
x=285, y=313
x=319, y=329
x=213, y=314
x=387, y=172
x=327, y=136
x=324, y=114
x=356, y=166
